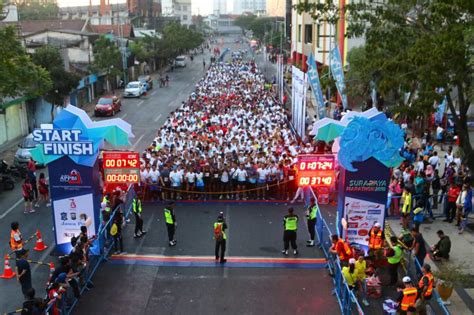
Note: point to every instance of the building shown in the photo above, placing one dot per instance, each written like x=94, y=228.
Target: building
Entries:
x=276, y=7
x=223, y=24
x=182, y=9
x=258, y=7
x=219, y=7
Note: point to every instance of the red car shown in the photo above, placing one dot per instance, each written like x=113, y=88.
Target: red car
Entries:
x=107, y=106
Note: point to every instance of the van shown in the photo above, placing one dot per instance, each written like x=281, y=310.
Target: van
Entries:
x=180, y=62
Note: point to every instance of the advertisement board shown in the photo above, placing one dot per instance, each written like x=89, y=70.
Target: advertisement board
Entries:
x=72, y=213
x=298, y=99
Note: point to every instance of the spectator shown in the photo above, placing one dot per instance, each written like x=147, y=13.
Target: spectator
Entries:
x=466, y=205
x=442, y=248
x=453, y=194
x=419, y=246
x=341, y=249
x=23, y=271
x=32, y=305
x=43, y=190
x=27, y=192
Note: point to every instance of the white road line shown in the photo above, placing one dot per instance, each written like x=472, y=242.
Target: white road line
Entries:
x=153, y=93
x=157, y=117
x=11, y=209
x=140, y=103
x=171, y=103
x=136, y=143
x=125, y=115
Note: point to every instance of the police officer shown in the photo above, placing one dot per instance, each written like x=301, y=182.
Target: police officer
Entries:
x=220, y=236
x=311, y=213
x=170, y=220
x=137, y=211
x=407, y=298
x=290, y=223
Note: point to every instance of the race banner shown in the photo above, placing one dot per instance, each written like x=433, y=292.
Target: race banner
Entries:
x=313, y=78
x=298, y=101
x=337, y=72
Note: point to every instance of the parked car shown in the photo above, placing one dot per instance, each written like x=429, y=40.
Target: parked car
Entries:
x=134, y=89
x=23, y=155
x=107, y=106
x=147, y=81
x=180, y=62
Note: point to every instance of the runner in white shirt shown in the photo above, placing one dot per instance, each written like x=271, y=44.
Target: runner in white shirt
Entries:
x=241, y=175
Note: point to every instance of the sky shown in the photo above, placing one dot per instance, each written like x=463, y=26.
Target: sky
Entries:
x=202, y=7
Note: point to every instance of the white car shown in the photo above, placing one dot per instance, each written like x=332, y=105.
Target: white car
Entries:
x=134, y=89
x=180, y=62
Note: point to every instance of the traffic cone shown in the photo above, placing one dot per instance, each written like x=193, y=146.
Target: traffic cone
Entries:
x=39, y=242
x=7, y=271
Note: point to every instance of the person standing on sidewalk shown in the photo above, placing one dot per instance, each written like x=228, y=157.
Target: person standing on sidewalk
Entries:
x=116, y=231
x=137, y=211
x=171, y=223
x=425, y=289
x=27, y=192
x=221, y=238
x=419, y=246
x=16, y=241
x=23, y=271
x=466, y=205
x=453, y=194
x=394, y=256
x=311, y=214
x=290, y=224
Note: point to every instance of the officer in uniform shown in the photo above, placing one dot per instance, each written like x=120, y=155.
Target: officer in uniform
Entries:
x=311, y=213
x=221, y=237
x=170, y=220
x=376, y=238
x=394, y=259
x=425, y=287
x=137, y=211
x=290, y=223
x=407, y=298
x=16, y=240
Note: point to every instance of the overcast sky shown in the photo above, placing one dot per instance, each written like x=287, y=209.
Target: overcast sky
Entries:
x=203, y=7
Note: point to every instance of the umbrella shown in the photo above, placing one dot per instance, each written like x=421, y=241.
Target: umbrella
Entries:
x=320, y=123
x=329, y=132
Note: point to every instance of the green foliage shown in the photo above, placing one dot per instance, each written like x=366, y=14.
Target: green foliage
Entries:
x=415, y=46
x=38, y=11
x=107, y=57
x=64, y=82
x=360, y=73
x=18, y=74
x=258, y=25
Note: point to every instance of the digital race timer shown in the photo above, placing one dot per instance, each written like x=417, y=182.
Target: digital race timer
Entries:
x=316, y=170
x=121, y=167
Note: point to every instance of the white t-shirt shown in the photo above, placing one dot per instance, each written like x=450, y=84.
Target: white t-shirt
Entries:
x=175, y=178
x=190, y=177
x=241, y=175
x=262, y=173
x=154, y=174
x=434, y=161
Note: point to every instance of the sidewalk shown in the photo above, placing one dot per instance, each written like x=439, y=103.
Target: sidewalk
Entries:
x=461, y=256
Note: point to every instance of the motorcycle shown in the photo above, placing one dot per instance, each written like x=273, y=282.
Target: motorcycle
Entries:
x=19, y=172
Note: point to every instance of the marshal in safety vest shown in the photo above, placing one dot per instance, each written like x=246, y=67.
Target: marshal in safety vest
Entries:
x=137, y=206
x=421, y=284
x=409, y=298
x=291, y=223
x=375, y=239
x=15, y=245
x=313, y=211
x=398, y=253
x=344, y=250
x=219, y=232
x=168, y=216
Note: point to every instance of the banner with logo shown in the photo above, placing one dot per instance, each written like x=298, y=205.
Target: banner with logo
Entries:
x=337, y=72
x=440, y=110
x=298, y=100
x=313, y=78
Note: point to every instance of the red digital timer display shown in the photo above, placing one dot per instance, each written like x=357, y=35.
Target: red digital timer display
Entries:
x=121, y=167
x=316, y=170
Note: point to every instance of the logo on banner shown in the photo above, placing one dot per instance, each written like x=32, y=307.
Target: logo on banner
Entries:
x=73, y=178
x=313, y=77
x=72, y=204
x=335, y=63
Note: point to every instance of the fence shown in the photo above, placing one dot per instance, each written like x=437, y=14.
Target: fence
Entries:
x=429, y=210
x=104, y=245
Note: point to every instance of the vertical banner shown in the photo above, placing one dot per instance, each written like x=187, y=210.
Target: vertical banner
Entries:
x=440, y=110
x=362, y=199
x=337, y=72
x=313, y=78
x=298, y=101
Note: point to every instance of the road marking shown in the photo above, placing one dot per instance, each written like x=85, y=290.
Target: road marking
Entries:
x=140, y=103
x=11, y=209
x=171, y=104
x=125, y=115
x=157, y=117
x=153, y=93
x=44, y=256
x=136, y=143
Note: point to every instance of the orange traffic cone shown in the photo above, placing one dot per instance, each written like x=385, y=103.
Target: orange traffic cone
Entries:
x=7, y=271
x=39, y=242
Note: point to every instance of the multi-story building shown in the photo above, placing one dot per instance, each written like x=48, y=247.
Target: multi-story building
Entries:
x=276, y=7
x=258, y=7
x=180, y=9
x=219, y=7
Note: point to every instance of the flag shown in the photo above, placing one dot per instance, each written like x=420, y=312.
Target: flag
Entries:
x=313, y=77
x=337, y=72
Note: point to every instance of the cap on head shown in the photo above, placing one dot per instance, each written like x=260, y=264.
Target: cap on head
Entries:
x=377, y=225
x=406, y=279
x=352, y=261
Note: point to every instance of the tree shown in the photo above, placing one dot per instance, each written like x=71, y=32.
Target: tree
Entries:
x=417, y=47
x=64, y=82
x=107, y=59
x=358, y=77
x=38, y=11
x=243, y=21
x=18, y=74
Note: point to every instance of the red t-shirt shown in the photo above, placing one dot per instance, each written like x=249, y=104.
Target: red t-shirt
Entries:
x=453, y=193
x=31, y=166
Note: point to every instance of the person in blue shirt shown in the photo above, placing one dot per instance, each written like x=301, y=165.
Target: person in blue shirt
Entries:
x=467, y=205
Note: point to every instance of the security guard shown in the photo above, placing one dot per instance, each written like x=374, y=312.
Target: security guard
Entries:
x=425, y=287
x=106, y=198
x=394, y=259
x=311, y=213
x=407, y=298
x=16, y=241
x=376, y=238
x=221, y=237
x=170, y=219
x=137, y=211
x=290, y=223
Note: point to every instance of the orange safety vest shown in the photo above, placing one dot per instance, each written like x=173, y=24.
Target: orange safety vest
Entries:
x=14, y=245
x=430, y=284
x=409, y=298
x=375, y=240
x=346, y=253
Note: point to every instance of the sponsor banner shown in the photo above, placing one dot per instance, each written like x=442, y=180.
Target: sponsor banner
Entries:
x=361, y=216
x=72, y=213
x=298, y=99
x=313, y=78
x=337, y=72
